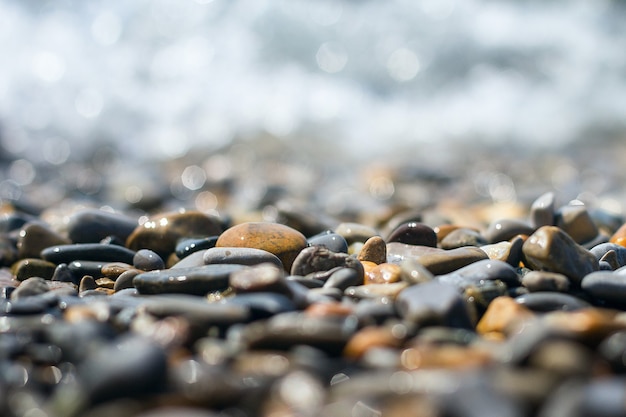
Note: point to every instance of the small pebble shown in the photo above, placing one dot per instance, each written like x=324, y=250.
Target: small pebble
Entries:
x=374, y=250
x=147, y=260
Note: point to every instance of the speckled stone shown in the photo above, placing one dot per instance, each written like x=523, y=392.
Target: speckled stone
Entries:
x=551, y=249
x=33, y=267
x=545, y=281
x=542, y=210
x=36, y=236
x=355, y=232
x=413, y=233
x=161, y=233
x=506, y=229
x=374, y=250
x=241, y=256
x=576, y=222
x=437, y=261
x=278, y=239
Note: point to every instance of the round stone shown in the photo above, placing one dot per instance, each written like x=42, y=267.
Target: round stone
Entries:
x=545, y=281
x=278, y=239
x=414, y=233
x=161, y=233
x=506, y=229
x=147, y=260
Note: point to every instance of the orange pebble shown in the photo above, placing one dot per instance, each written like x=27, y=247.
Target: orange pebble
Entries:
x=619, y=237
x=383, y=274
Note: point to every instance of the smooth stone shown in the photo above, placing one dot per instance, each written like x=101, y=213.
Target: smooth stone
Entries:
x=278, y=239
x=263, y=304
x=333, y=241
x=434, y=303
x=63, y=273
x=576, y=222
x=545, y=281
x=542, y=210
x=383, y=273
x=606, y=286
x=161, y=233
x=87, y=252
x=504, y=315
x=507, y=251
x=13, y=220
x=551, y=249
x=287, y=330
x=188, y=246
x=93, y=225
x=617, y=257
x=125, y=280
x=437, y=261
x=544, y=301
x=414, y=272
x=30, y=287
x=33, y=267
x=374, y=250
x=462, y=237
x=376, y=291
x=613, y=350
x=147, y=260
x=81, y=268
x=240, y=256
x=195, y=280
x=413, y=233
x=115, y=269
x=374, y=312
x=480, y=294
x=506, y=229
x=604, y=397
x=266, y=277
x=139, y=368
x=192, y=260
x=87, y=283
x=318, y=259
x=355, y=232
x=483, y=270
x=371, y=337
x=344, y=278
x=35, y=237
x=196, y=310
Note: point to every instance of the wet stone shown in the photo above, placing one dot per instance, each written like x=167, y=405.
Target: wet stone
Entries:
x=125, y=280
x=280, y=240
x=413, y=233
x=616, y=254
x=374, y=250
x=330, y=240
x=63, y=273
x=266, y=277
x=414, y=272
x=188, y=246
x=437, y=261
x=355, y=232
x=434, y=303
x=87, y=252
x=383, y=273
x=504, y=315
x=542, y=210
x=32, y=267
x=483, y=270
x=93, y=225
x=462, y=237
x=161, y=233
x=507, y=251
x=115, y=269
x=576, y=222
x=191, y=260
x=195, y=280
x=147, y=260
x=35, y=237
x=545, y=281
x=543, y=301
x=551, y=249
x=506, y=229
x=607, y=286
x=240, y=256
x=29, y=287
x=81, y=268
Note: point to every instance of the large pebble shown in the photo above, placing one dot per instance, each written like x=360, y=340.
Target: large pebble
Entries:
x=374, y=250
x=93, y=225
x=551, y=249
x=33, y=267
x=195, y=280
x=433, y=303
x=278, y=239
x=29, y=287
x=87, y=252
x=241, y=256
x=147, y=260
x=414, y=233
x=437, y=261
x=161, y=233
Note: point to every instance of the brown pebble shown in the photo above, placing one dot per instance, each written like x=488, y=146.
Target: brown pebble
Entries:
x=87, y=283
x=115, y=269
x=328, y=309
x=374, y=250
x=283, y=241
x=448, y=356
x=503, y=316
x=577, y=222
x=35, y=237
x=372, y=337
x=383, y=273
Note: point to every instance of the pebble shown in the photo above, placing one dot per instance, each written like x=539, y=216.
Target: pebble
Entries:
x=551, y=249
x=545, y=281
x=413, y=233
x=612, y=253
x=507, y=251
x=542, y=210
x=504, y=316
x=125, y=279
x=319, y=259
x=241, y=256
x=462, y=237
x=483, y=270
x=437, y=261
x=606, y=286
x=195, y=280
x=278, y=239
x=355, y=232
x=29, y=287
x=35, y=237
x=147, y=260
x=576, y=222
x=506, y=229
x=87, y=252
x=188, y=246
x=161, y=233
x=344, y=278
x=543, y=301
x=384, y=273
x=32, y=267
x=93, y=225
x=330, y=240
x=374, y=250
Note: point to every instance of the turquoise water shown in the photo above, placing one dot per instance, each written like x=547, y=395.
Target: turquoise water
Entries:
x=160, y=77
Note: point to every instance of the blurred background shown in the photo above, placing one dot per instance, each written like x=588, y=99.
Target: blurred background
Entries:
x=446, y=82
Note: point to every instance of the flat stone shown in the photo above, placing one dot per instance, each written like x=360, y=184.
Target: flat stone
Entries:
x=161, y=233
x=506, y=229
x=35, y=237
x=483, y=270
x=434, y=303
x=374, y=250
x=542, y=210
x=87, y=252
x=437, y=261
x=545, y=281
x=544, y=301
x=195, y=280
x=413, y=233
x=241, y=256
x=93, y=225
x=551, y=249
x=576, y=222
x=278, y=239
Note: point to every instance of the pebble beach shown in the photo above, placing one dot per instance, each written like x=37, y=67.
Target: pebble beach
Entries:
x=313, y=235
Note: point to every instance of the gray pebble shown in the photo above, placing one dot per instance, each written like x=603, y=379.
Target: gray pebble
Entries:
x=147, y=260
